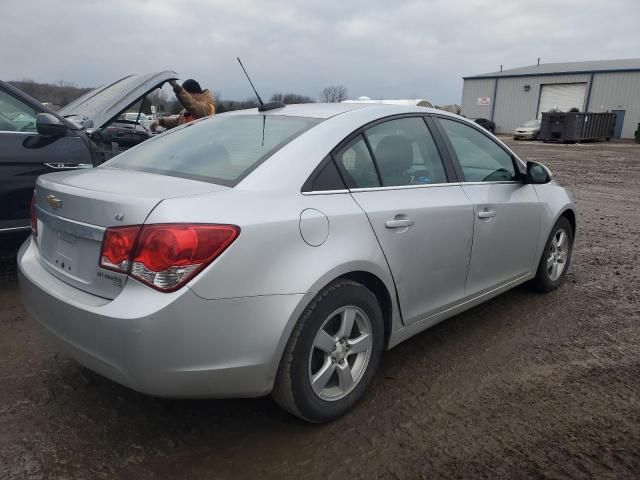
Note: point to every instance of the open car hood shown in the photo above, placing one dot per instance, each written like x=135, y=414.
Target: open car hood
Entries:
x=99, y=106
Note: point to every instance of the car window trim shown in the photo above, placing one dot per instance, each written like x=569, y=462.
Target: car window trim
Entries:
x=454, y=155
x=373, y=157
x=448, y=162
x=326, y=192
x=19, y=133
x=405, y=187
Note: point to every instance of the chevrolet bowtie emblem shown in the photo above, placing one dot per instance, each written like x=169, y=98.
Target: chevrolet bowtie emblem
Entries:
x=54, y=201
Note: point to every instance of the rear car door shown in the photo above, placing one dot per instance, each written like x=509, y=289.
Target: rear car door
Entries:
x=25, y=154
x=423, y=222
x=507, y=212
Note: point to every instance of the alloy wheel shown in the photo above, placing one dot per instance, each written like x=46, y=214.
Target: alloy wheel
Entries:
x=558, y=254
x=340, y=353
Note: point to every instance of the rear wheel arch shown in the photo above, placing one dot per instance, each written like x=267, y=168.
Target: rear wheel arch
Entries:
x=370, y=275
x=293, y=387
x=381, y=292
x=570, y=215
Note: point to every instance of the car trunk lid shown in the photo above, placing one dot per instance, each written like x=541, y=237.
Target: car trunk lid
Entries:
x=74, y=209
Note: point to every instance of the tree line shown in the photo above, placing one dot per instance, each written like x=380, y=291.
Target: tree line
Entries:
x=61, y=93
x=57, y=94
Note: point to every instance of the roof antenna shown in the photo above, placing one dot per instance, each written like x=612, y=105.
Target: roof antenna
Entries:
x=538, y=61
x=263, y=106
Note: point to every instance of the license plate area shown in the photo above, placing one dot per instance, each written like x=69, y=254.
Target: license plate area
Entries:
x=70, y=250
x=68, y=253
x=60, y=250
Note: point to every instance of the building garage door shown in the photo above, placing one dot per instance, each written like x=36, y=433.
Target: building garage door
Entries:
x=563, y=96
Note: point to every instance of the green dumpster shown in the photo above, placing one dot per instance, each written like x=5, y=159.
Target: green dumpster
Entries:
x=638, y=134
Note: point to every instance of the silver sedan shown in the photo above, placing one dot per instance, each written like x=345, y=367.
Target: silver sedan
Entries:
x=283, y=251
x=528, y=131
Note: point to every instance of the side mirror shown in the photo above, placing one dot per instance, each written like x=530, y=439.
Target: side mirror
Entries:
x=50, y=125
x=537, y=173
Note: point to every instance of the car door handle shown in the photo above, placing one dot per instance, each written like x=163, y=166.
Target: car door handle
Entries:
x=68, y=166
x=487, y=214
x=400, y=223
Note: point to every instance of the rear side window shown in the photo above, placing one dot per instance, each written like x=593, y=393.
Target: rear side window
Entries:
x=221, y=150
x=328, y=178
x=481, y=159
x=406, y=153
x=356, y=164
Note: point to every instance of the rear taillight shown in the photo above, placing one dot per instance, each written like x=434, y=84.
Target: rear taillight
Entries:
x=34, y=218
x=164, y=256
x=117, y=245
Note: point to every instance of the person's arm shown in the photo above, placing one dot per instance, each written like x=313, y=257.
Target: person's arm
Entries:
x=191, y=105
x=169, y=122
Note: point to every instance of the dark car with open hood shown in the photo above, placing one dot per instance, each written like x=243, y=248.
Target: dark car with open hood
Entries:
x=88, y=131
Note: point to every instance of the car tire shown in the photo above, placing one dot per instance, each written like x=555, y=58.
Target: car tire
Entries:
x=312, y=382
x=556, y=255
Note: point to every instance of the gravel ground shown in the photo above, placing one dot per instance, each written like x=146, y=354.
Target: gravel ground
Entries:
x=524, y=386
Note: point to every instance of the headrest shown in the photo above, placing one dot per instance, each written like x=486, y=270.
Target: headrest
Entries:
x=394, y=154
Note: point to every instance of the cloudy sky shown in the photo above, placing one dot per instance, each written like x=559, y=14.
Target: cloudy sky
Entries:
x=378, y=48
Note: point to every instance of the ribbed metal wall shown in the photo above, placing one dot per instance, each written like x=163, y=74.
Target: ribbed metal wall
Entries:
x=514, y=105
x=618, y=91
x=471, y=91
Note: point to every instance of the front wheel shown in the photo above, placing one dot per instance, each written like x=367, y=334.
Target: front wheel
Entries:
x=556, y=256
x=332, y=354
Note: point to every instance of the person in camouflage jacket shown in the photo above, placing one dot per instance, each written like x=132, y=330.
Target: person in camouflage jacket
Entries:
x=197, y=103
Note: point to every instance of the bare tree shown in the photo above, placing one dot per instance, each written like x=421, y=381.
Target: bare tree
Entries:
x=334, y=94
x=289, y=98
x=228, y=105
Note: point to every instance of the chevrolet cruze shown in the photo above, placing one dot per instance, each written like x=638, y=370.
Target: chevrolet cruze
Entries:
x=283, y=251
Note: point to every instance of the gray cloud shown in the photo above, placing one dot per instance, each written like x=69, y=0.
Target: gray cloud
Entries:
x=402, y=49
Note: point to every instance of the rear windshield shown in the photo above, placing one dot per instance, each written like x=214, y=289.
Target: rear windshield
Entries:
x=221, y=150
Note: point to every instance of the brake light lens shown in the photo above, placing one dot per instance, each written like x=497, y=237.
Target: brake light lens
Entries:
x=165, y=256
x=117, y=245
x=34, y=218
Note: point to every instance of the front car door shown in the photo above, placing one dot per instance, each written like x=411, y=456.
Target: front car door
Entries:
x=25, y=154
x=507, y=212
x=423, y=223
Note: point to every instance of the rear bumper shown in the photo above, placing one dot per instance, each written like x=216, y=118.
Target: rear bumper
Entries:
x=169, y=345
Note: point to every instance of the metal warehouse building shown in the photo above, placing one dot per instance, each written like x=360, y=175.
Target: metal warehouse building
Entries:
x=511, y=97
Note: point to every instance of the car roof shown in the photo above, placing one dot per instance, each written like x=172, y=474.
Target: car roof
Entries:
x=328, y=110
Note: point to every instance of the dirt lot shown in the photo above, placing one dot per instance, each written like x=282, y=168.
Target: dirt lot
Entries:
x=527, y=385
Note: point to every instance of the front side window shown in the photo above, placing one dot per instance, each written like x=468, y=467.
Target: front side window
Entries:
x=221, y=150
x=481, y=159
x=16, y=116
x=405, y=153
x=356, y=164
